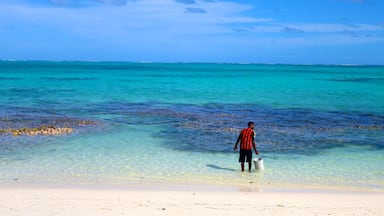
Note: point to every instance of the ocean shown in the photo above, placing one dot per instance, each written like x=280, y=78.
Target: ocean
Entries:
x=177, y=123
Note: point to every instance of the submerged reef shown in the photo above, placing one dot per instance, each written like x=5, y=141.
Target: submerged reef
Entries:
x=56, y=126
x=42, y=130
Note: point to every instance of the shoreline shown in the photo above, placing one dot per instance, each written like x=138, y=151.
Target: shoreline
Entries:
x=199, y=186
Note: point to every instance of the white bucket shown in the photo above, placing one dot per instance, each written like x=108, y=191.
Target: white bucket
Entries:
x=259, y=164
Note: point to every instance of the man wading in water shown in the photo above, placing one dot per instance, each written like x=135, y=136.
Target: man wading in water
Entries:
x=247, y=142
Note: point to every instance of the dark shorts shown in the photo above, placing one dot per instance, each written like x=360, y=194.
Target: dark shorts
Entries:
x=245, y=154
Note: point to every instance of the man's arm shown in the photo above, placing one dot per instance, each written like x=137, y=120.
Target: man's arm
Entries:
x=237, y=142
x=254, y=145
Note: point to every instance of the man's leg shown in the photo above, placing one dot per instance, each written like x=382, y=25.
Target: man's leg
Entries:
x=249, y=160
x=242, y=159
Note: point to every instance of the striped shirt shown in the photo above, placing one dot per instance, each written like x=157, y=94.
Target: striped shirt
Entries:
x=247, y=136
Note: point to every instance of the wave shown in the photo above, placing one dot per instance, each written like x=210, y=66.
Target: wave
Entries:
x=358, y=79
x=70, y=78
x=10, y=78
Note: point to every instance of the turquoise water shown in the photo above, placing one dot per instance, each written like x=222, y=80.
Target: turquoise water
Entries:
x=316, y=125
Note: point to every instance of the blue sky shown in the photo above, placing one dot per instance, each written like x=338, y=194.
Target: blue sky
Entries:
x=257, y=31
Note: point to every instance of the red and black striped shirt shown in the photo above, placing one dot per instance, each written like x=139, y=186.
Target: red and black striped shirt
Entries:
x=247, y=136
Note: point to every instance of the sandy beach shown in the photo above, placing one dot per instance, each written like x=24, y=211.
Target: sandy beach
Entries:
x=191, y=107
x=96, y=201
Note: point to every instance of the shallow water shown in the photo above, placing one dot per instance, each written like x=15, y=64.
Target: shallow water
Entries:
x=316, y=125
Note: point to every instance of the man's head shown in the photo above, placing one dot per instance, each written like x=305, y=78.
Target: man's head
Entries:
x=251, y=125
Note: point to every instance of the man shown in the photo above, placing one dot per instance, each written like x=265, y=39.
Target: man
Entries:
x=247, y=142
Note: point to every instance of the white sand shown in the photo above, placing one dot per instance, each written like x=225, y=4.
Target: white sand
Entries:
x=90, y=202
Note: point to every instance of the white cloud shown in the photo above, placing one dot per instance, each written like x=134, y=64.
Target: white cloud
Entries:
x=135, y=17
x=165, y=23
x=313, y=28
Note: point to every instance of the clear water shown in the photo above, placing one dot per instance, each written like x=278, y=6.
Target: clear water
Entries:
x=316, y=125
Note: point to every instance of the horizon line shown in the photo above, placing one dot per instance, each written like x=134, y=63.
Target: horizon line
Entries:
x=192, y=62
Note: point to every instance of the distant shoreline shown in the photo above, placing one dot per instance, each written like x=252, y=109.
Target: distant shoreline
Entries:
x=197, y=63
